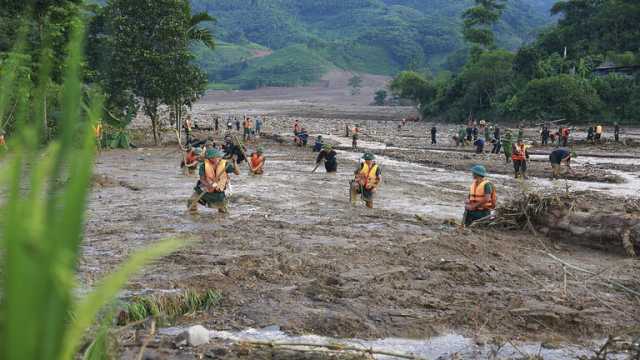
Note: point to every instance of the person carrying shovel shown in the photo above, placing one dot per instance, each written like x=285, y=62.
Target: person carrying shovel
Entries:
x=368, y=177
x=214, y=181
x=329, y=156
x=482, y=197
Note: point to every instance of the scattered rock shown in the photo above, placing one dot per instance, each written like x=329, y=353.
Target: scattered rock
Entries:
x=194, y=336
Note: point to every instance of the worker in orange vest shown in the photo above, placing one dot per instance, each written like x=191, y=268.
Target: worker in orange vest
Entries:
x=3, y=142
x=368, y=177
x=256, y=163
x=482, y=197
x=520, y=155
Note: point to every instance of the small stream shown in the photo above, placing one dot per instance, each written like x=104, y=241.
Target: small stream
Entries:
x=440, y=347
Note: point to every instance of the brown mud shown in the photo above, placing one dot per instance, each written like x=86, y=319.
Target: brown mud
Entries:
x=292, y=252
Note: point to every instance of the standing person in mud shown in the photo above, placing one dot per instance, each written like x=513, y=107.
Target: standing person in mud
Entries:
x=599, y=133
x=237, y=124
x=507, y=144
x=317, y=146
x=214, y=181
x=188, y=127
x=246, y=125
x=297, y=128
x=565, y=136
x=434, y=133
x=556, y=158
x=256, y=164
x=616, y=132
x=461, y=136
x=258, y=125
x=354, y=137
x=590, y=134
x=545, y=135
x=482, y=197
x=475, y=132
x=520, y=157
x=216, y=124
x=368, y=177
x=330, y=158
x=229, y=124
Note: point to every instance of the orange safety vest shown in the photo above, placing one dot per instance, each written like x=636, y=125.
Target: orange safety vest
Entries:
x=256, y=160
x=190, y=158
x=98, y=131
x=520, y=153
x=217, y=175
x=368, y=175
x=476, y=195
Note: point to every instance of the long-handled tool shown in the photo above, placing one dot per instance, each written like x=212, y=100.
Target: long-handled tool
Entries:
x=315, y=168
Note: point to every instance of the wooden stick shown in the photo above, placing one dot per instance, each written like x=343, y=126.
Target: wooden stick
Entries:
x=334, y=347
x=615, y=283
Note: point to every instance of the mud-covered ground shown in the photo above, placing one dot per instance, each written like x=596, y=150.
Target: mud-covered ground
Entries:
x=293, y=253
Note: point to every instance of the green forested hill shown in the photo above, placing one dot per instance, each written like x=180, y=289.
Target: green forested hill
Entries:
x=375, y=36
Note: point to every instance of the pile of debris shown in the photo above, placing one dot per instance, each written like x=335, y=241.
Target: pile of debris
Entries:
x=586, y=218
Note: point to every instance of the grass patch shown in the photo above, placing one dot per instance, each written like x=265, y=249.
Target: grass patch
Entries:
x=167, y=308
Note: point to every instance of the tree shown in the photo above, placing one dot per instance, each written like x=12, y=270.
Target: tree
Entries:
x=478, y=22
x=380, y=97
x=563, y=96
x=150, y=55
x=415, y=87
x=355, y=83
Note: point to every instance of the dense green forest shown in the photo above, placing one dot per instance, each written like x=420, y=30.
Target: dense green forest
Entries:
x=373, y=36
x=585, y=68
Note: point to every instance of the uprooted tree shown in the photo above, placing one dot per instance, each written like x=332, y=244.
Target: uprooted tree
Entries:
x=571, y=217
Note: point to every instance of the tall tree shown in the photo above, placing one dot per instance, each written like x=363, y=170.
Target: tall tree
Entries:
x=478, y=22
x=149, y=41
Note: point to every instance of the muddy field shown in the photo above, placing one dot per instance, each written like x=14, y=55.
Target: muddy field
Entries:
x=293, y=253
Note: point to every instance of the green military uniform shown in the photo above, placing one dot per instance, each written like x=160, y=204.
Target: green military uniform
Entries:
x=209, y=199
x=507, y=144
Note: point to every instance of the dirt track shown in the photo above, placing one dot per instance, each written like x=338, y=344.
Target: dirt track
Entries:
x=294, y=253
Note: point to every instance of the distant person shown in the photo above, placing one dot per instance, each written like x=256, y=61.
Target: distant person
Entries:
x=469, y=133
x=354, y=137
x=521, y=132
x=3, y=142
x=188, y=127
x=507, y=145
x=258, y=129
x=318, y=145
x=496, y=132
x=599, y=133
x=616, y=132
x=545, y=135
x=565, y=136
x=590, y=134
x=520, y=155
x=479, y=144
x=330, y=158
x=434, y=132
x=301, y=138
x=557, y=157
x=475, y=133
x=297, y=128
x=461, y=136
x=246, y=125
x=229, y=125
x=237, y=124
x=216, y=123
